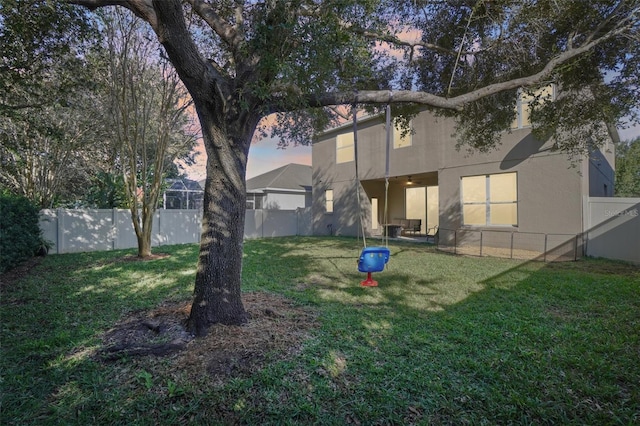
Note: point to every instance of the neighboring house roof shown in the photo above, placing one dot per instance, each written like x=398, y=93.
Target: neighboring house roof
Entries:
x=183, y=184
x=292, y=177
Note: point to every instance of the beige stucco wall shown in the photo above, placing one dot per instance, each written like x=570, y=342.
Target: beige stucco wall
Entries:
x=549, y=193
x=550, y=190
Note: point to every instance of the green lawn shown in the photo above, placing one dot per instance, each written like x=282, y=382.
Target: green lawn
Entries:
x=442, y=340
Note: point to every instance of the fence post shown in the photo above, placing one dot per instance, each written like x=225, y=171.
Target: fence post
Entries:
x=511, y=250
x=60, y=231
x=481, y=233
x=114, y=229
x=455, y=242
x=544, y=256
x=160, y=223
x=586, y=223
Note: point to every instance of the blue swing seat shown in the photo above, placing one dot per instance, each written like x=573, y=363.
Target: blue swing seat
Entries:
x=373, y=259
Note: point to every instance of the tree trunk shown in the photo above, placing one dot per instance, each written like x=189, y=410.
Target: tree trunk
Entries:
x=144, y=243
x=148, y=211
x=217, y=297
x=143, y=228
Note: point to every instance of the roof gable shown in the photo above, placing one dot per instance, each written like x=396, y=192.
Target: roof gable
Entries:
x=289, y=177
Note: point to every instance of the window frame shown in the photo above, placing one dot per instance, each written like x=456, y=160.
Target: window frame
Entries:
x=487, y=203
x=346, y=150
x=329, y=201
x=397, y=137
x=256, y=200
x=523, y=100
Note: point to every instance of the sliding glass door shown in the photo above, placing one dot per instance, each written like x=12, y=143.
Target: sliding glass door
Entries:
x=421, y=202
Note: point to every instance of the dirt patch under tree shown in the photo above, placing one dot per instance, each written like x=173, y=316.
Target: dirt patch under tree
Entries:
x=276, y=326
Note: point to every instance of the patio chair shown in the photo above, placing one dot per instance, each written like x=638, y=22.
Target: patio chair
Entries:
x=432, y=234
x=414, y=226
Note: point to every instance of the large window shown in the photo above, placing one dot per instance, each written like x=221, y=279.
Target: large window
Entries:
x=523, y=105
x=490, y=199
x=344, y=148
x=328, y=200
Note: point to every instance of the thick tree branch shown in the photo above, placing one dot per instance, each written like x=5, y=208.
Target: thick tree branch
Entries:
x=457, y=103
x=230, y=35
x=204, y=82
x=141, y=8
x=398, y=42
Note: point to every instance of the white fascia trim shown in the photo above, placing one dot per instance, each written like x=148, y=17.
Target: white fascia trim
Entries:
x=284, y=190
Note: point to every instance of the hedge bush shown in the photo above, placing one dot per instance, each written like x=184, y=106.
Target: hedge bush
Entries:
x=20, y=235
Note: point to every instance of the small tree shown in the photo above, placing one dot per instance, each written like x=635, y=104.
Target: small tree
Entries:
x=149, y=117
x=47, y=130
x=46, y=152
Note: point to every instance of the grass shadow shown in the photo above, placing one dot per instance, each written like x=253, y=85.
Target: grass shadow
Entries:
x=443, y=339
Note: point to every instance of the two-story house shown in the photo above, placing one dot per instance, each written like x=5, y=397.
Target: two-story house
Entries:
x=521, y=187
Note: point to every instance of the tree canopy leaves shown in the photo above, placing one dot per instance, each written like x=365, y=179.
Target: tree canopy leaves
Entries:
x=57, y=121
x=466, y=58
x=43, y=51
x=628, y=168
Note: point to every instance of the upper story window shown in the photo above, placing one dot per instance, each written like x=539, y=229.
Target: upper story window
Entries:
x=523, y=105
x=344, y=148
x=400, y=140
x=490, y=199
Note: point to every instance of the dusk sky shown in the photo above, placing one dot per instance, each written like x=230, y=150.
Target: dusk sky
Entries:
x=264, y=156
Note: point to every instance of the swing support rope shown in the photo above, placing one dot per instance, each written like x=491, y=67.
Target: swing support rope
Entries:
x=355, y=153
x=385, y=234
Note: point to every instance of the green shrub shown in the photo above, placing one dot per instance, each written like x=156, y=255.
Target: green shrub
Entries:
x=20, y=236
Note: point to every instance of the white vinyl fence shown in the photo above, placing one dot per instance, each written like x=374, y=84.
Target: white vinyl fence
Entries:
x=612, y=228
x=94, y=230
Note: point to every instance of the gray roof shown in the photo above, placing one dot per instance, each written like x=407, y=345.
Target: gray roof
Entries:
x=290, y=177
x=183, y=184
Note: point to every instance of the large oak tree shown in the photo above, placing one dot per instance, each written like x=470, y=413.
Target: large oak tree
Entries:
x=244, y=60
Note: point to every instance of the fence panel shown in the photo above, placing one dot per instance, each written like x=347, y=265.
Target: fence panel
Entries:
x=125, y=235
x=253, y=224
x=469, y=242
x=528, y=246
x=613, y=228
x=85, y=230
x=304, y=220
x=177, y=226
x=93, y=230
x=447, y=240
x=49, y=227
x=509, y=244
x=562, y=248
x=279, y=222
